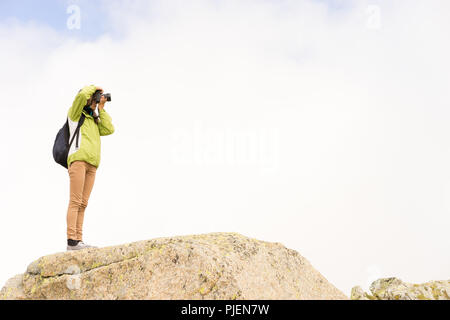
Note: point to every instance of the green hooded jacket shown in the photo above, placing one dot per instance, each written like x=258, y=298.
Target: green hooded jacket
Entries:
x=89, y=145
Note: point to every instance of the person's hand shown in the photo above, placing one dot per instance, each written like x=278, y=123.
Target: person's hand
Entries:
x=102, y=102
x=91, y=101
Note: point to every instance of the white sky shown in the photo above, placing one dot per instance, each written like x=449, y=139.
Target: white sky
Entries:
x=321, y=127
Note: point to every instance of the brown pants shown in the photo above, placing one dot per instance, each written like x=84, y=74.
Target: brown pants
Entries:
x=82, y=177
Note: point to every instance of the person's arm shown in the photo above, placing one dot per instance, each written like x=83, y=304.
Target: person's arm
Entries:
x=105, y=126
x=80, y=101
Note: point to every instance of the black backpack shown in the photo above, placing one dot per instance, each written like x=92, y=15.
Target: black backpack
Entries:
x=62, y=145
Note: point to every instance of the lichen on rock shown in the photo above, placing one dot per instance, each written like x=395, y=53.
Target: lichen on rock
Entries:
x=395, y=289
x=216, y=265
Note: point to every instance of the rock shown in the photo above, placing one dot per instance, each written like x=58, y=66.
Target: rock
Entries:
x=358, y=294
x=206, y=266
x=13, y=288
x=395, y=289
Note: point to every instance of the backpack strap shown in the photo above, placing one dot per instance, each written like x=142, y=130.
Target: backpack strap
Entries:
x=79, y=126
x=77, y=130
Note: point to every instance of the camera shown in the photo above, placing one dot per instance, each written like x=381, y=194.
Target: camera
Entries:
x=97, y=96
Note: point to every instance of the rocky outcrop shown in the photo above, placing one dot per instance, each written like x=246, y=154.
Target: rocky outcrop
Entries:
x=395, y=289
x=207, y=266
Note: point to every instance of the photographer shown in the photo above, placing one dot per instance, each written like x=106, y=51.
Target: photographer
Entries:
x=83, y=159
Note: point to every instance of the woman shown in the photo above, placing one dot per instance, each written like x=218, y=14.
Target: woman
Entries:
x=84, y=159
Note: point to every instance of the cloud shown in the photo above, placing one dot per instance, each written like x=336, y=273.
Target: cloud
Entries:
x=288, y=121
